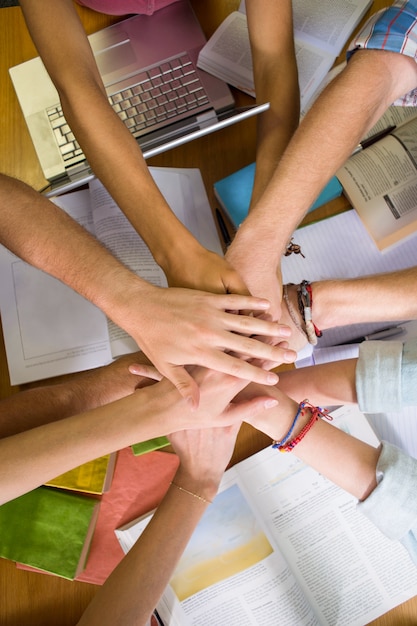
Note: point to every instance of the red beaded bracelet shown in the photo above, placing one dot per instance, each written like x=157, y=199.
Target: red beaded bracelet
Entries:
x=316, y=412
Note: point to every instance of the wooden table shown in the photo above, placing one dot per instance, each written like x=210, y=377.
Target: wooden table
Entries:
x=28, y=599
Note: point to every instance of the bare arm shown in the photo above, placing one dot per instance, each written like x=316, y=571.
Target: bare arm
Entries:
x=32, y=457
x=276, y=81
x=81, y=392
x=324, y=140
x=343, y=459
x=358, y=300
x=114, y=154
x=42, y=234
x=270, y=28
x=131, y=593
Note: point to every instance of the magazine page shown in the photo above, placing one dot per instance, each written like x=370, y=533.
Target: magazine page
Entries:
x=227, y=54
x=332, y=565
x=349, y=571
x=327, y=24
x=393, y=116
x=115, y=231
x=49, y=329
x=313, y=67
x=231, y=572
x=185, y=193
x=381, y=183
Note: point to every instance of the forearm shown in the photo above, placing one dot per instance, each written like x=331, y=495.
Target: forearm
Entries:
x=346, y=461
x=81, y=392
x=33, y=457
x=359, y=300
x=42, y=234
x=131, y=593
x=324, y=140
x=271, y=30
x=325, y=385
x=343, y=459
x=110, y=148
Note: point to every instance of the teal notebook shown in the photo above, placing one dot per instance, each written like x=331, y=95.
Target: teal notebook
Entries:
x=48, y=529
x=234, y=193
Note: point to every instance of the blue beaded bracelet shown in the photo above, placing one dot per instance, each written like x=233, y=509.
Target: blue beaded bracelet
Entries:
x=278, y=444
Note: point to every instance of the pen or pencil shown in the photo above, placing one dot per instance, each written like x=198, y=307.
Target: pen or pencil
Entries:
x=373, y=139
x=386, y=333
x=223, y=228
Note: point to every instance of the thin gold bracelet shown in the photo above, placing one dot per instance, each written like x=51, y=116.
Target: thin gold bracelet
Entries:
x=191, y=493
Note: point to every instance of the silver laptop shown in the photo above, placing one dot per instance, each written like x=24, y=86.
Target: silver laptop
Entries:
x=148, y=66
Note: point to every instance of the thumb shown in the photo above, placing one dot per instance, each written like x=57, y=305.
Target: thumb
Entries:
x=185, y=384
x=248, y=410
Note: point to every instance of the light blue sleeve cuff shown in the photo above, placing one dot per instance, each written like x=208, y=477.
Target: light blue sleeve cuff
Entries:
x=378, y=376
x=386, y=376
x=392, y=506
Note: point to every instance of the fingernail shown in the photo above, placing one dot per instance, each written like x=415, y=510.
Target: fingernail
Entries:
x=264, y=304
x=272, y=378
x=285, y=331
x=270, y=403
x=290, y=356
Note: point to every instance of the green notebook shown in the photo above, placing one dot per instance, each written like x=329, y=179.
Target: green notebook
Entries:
x=48, y=529
x=148, y=446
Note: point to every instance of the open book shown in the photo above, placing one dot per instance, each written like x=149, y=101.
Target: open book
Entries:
x=282, y=545
x=321, y=29
x=49, y=329
x=381, y=183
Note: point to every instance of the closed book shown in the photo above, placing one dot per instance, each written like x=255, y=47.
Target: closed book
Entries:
x=48, y=529
x=93, y=477
x=234, y=193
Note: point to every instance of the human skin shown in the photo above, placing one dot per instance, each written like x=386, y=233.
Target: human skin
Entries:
x=326, y=137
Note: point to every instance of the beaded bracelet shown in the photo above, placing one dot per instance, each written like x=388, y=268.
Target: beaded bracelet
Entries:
x=286, y=446
x=190, y=493
x=278, y=444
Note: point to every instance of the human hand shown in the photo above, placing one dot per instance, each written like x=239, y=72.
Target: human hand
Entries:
x=113, y=381
x=276, y=422
x=261, y=276
x=180, y=327
x=218, y=405
x=204, y=454
x=206, y=271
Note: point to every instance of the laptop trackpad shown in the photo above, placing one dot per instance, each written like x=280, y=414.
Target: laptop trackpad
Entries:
x=114, y=58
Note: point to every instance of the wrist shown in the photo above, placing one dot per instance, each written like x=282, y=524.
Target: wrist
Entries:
x=303, y=421
x=244, y=249
x=299, y=307
x=120, y=300
x=176, y=256
x=202, y=486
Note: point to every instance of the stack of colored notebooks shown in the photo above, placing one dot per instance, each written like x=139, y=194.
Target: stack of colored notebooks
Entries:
x=50, y=528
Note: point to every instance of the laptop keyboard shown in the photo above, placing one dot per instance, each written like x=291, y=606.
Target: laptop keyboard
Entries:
x=159, y=94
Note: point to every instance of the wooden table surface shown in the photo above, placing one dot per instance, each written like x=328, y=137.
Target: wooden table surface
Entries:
x=29, y=599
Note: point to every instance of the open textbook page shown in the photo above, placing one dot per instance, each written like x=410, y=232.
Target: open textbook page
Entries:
x=340, y=247
x=321, y=29
x=49, y=329
x=381, y=184
x=281, y=544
